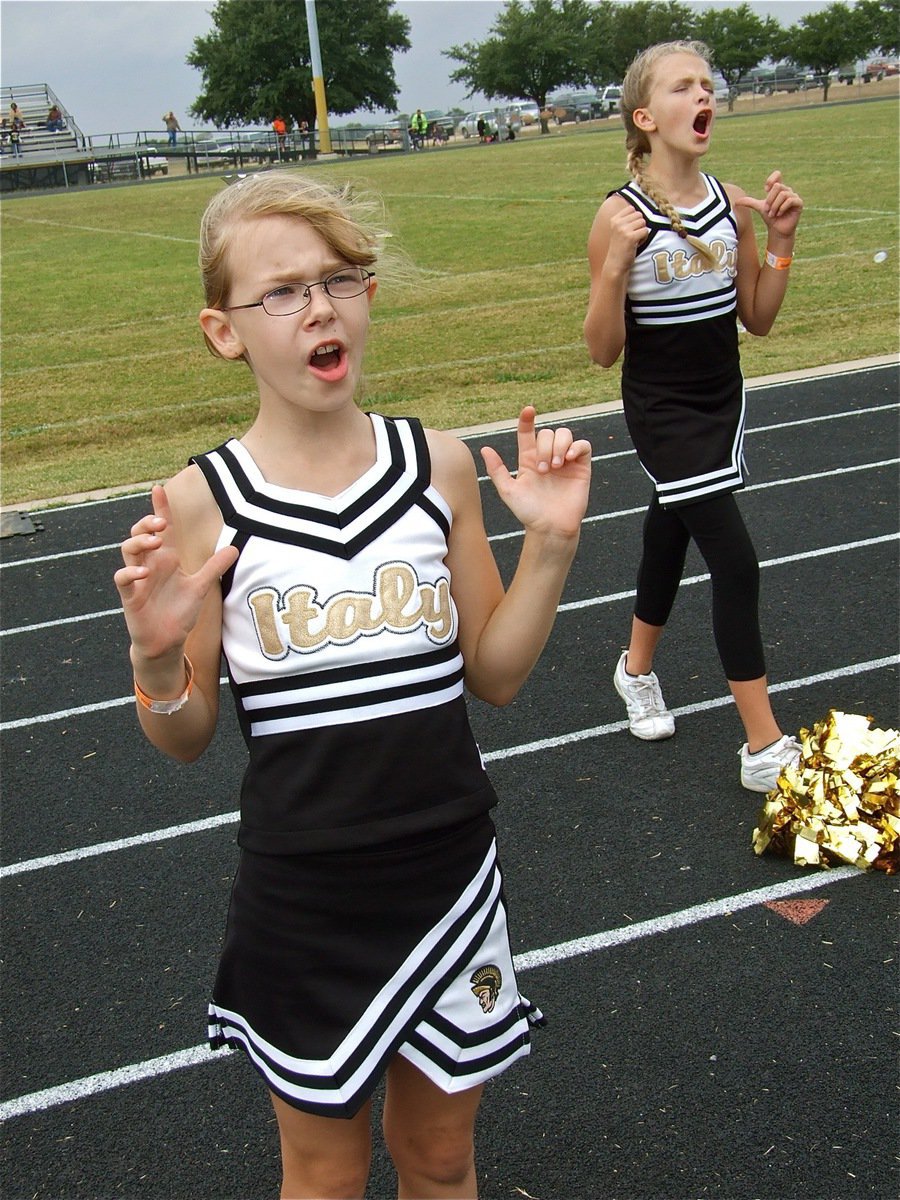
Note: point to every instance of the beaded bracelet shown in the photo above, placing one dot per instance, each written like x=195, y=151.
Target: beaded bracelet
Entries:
x=778, y=264
x=167, y=707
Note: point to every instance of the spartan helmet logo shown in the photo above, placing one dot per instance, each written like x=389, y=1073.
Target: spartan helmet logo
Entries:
x=486, y=984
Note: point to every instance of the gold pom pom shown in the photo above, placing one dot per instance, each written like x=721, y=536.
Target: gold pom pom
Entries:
x=841, y=802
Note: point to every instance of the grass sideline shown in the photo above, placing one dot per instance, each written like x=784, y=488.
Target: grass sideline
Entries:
x=107, y=381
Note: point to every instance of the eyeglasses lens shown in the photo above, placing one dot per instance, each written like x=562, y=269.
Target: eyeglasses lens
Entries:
x=292, y=297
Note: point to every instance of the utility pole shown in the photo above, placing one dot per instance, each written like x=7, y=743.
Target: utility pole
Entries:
x=318, y=79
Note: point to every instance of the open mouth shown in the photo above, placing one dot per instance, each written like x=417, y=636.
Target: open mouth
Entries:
x=702, y=120
x=325, y=357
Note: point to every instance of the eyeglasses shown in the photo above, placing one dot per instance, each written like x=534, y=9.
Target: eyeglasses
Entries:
x=292, y=298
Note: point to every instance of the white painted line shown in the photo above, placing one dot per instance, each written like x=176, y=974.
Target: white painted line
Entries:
x=569, y=606
x=91, y=616
x=138, y=233
x=44, y=558
x=582, y=735
x=591, y=415
x=80, y=1089
x=550, y=743
x=853, y=412
x=65, y=713
x=608, y=599
x=751, y=487
x=688, y=580
x=140, y=839
x=678, y=920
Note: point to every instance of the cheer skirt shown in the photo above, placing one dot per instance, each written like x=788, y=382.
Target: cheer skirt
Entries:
x=690, y=441
x=333, y=963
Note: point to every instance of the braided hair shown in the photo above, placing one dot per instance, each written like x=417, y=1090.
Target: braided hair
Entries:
x=635, y=93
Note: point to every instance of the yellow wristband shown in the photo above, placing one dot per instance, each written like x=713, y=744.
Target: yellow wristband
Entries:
x=167, y=707
x=778, y=264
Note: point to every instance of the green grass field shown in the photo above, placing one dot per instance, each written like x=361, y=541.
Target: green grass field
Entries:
x=107, y=381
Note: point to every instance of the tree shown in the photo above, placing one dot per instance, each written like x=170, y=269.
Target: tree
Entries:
x=881, y=22
x=823, y=40
x=256, y=64
x=533, y=50
x=633, y=27
x=738, y=39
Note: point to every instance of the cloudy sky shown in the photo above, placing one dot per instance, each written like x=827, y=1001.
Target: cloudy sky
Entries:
x=118, y=65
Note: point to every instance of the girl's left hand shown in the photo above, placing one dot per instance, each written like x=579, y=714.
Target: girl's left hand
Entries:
x=781, y=208
x=549, y=492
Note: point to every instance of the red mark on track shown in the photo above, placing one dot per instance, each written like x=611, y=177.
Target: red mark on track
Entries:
x=798, y=911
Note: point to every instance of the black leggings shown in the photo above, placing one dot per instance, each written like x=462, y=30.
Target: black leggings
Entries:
x=717, y=527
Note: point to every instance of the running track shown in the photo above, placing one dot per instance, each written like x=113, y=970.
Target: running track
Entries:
x=720, y=1025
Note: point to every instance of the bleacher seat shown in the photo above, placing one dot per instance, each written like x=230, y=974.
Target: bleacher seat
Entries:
x=36, y=140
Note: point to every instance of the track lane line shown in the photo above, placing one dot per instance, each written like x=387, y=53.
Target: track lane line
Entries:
x=550, y=743
x=104, y=1081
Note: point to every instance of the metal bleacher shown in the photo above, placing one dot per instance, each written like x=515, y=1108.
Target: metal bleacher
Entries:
x=69, y=158
x=46, y=159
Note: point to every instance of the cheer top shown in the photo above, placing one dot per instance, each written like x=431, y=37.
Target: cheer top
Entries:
x=340, y=638
x=682, y=387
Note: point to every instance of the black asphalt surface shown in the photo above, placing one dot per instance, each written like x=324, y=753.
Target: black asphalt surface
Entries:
x=700, y=1042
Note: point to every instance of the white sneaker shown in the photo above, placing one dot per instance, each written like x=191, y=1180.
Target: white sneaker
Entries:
x=648, y=717
x=760, y=771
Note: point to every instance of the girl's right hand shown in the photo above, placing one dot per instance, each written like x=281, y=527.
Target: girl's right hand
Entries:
x=160, y=599
x=627, y=230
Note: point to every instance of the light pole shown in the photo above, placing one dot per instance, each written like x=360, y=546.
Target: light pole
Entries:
x=318, y=80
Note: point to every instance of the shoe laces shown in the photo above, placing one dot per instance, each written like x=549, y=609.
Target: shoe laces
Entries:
x=788, y=752
x=646, y=695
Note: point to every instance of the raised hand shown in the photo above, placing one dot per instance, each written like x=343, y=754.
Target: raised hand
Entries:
x=161, y=600
x=781, y=207
x=627, y=231
x=549, y=492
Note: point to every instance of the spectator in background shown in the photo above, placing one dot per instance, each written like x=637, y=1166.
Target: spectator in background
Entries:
x=172, y=127
x=418, y=129
x=16, y=120
x=55, y=121
x=280, y=132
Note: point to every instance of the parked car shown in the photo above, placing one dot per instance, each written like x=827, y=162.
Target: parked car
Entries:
x=143, y=162
x=721, y=90
x=765, y=81
x=610, y=99
x=443, y=121
x=575, y=106
x=468, y=126
x=879, y=68
x=395, y=128
x=152, y=163
x=210, y=148
x=526, y=112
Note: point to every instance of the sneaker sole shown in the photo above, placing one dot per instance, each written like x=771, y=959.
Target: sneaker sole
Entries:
x=651, y=737
x=752, y=786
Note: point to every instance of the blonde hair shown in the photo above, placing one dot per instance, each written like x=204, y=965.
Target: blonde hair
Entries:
x=636, y=88
x=344, y=222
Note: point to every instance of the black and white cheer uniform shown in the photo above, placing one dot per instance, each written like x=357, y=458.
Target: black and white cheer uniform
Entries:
x=367, y=916
x=682, y=386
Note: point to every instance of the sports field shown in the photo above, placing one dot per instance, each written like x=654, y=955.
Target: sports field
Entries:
x=107, y=381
